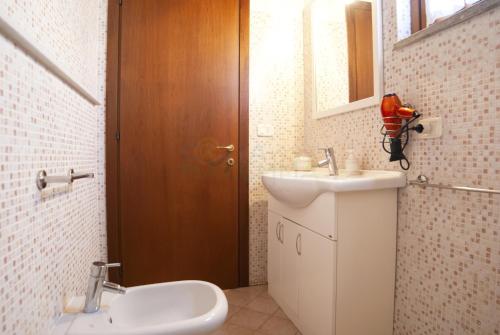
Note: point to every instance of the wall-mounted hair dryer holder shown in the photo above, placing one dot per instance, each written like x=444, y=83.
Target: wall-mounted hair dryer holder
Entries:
x=399, y=120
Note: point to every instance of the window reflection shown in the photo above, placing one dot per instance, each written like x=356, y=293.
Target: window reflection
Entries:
x=438, y=10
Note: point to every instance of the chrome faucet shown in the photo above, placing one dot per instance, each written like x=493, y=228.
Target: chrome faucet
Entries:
x=97, y=284
x=330, y=161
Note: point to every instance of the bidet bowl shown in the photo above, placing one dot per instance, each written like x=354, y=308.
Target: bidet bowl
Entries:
x=180, y=308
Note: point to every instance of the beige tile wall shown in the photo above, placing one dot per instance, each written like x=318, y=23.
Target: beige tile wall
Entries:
x=47, y=244
x=448, y=243
x=276, y=98
x=56, y=29
x=448, y=260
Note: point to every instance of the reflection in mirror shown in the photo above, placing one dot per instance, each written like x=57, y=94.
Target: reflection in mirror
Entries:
x=358, y=16
x=343, y=51
x=426, y=12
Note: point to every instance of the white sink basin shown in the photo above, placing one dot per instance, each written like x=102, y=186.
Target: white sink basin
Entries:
x=299, y=189
x=180, y=308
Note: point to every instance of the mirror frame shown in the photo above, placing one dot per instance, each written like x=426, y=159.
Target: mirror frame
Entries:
x=378, y=66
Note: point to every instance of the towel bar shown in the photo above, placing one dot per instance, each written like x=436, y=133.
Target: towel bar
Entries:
x=423, y=181
x=42, y=179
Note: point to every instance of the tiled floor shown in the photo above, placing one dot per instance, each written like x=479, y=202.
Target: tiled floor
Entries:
x=253, y=312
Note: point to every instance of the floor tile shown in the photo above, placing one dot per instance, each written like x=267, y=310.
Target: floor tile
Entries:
x=265, y=295
x=229, y=329
x=263, y=305
x=278, y=326
x=279, y=313
x=232, y=309
x=248, y=319
x=252, y=311
x=251, y=291
x=238, y=298
x=243, y=296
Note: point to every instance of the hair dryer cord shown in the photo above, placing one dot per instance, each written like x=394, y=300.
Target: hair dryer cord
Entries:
x=404, y=166
x=383, y=143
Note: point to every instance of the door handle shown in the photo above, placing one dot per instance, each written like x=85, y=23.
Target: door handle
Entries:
x=229, y=147
x=278, y=230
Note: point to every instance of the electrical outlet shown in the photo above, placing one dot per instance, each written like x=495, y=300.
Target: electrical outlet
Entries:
x=433, y=128
x=265, y=130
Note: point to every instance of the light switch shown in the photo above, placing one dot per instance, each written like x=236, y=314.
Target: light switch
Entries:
x=265, y=130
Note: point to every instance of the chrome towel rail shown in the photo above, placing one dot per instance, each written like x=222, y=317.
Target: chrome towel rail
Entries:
x=423, y=181
x=42, y=179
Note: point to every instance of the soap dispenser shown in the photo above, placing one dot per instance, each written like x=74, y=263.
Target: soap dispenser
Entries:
x=351, y=164
x=302, y=163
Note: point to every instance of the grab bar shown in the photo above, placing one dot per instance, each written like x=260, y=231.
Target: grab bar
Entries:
x=42, y=179
x=423, y=181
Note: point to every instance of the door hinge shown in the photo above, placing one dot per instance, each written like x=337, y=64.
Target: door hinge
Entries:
x=117, y=135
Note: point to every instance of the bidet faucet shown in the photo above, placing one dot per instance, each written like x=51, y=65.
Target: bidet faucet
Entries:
x=97, y=284
x=330, y=161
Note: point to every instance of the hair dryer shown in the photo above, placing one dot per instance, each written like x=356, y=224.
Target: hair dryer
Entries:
x=397, y=120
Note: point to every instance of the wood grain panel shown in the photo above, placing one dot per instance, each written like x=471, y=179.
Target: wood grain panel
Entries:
x=243, y=201
x=180, y=81
x=112, y=90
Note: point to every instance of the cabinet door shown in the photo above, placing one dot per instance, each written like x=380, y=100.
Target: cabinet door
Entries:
x=273, y=255
x=316, y=283
x=289, y=267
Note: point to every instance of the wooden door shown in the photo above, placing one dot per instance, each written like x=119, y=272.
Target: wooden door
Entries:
x=360, y=49
x=179, y=99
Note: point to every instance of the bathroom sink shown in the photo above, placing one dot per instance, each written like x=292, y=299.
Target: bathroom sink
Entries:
x=180, y=308
x=299, y=189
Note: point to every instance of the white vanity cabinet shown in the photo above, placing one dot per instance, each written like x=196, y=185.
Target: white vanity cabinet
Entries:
x=301, y=273
x=274, y=255
x=331, y=264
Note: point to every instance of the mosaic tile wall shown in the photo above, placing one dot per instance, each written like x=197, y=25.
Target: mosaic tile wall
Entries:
x=276, y=98
x=448, y=261
x=47, y=242
x=55, y=28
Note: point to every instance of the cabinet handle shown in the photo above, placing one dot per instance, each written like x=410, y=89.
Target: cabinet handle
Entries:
x=298, y=244
x=278, y=231
x=282, y=233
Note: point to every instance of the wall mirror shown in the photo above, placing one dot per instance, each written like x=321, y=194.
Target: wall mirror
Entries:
x=345, y=55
